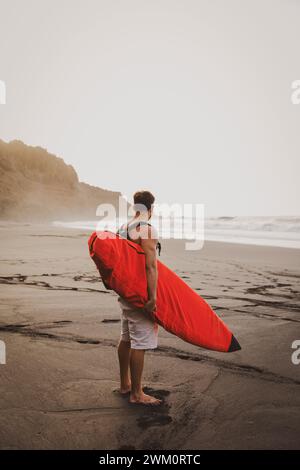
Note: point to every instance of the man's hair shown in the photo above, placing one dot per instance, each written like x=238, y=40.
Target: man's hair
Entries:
x=143, y=198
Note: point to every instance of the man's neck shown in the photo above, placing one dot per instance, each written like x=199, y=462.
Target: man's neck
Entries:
x=142, y=217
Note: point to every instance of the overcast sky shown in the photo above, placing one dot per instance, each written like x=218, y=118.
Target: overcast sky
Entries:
x=187, y=98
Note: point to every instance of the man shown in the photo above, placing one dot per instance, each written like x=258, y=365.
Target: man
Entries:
x=138, y=329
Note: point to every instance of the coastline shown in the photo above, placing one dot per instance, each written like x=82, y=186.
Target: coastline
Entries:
x=61, y=328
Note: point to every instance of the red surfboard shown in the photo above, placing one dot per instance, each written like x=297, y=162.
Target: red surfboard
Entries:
x=179, y=309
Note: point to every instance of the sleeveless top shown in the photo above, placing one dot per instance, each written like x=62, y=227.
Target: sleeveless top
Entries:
x=124, y=232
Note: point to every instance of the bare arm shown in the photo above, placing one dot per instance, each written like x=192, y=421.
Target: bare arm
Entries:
x=149, y=247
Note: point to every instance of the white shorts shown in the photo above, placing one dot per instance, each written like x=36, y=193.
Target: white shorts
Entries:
x=137, y=328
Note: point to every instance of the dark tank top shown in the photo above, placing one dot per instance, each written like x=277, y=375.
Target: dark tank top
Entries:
x=124, y=232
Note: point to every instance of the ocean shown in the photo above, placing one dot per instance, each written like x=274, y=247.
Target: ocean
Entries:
x=265, y=231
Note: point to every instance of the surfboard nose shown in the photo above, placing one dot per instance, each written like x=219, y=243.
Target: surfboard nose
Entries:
x=234, y=345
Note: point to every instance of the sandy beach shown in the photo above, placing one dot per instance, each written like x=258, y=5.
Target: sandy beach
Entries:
x=61, y=327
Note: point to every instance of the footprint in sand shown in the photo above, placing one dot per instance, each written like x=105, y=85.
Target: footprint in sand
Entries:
x=154, y=415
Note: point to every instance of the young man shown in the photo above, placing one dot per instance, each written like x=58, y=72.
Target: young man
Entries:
x=138, y=329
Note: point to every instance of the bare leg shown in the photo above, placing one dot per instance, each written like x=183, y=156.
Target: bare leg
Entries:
x=124, y=359
x=136, y=369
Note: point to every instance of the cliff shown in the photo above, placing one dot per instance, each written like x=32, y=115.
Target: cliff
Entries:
x=38, y=186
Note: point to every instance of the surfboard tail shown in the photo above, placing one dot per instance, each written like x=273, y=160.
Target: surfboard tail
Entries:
x=234, y=345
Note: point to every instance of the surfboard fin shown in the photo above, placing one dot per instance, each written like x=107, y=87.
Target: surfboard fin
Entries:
x=234, y=345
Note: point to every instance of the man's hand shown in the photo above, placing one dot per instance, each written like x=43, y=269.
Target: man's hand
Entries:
x=150, y=306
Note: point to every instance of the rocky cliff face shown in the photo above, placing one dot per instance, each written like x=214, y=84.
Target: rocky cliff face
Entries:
x=38, y=186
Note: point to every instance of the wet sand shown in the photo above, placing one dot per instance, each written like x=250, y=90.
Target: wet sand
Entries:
x=61, y=328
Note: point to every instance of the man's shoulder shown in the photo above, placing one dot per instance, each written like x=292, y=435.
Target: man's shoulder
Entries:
x=148, y=231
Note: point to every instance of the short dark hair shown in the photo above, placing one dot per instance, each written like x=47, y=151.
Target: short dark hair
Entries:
x=144, y=198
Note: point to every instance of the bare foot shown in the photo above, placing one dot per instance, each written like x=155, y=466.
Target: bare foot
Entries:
x=144, y=399
x=124, y=391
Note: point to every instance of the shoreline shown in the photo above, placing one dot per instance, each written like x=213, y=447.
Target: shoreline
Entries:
x=51, y=225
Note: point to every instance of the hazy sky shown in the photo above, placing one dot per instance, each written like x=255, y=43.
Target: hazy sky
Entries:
x=187, y=98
